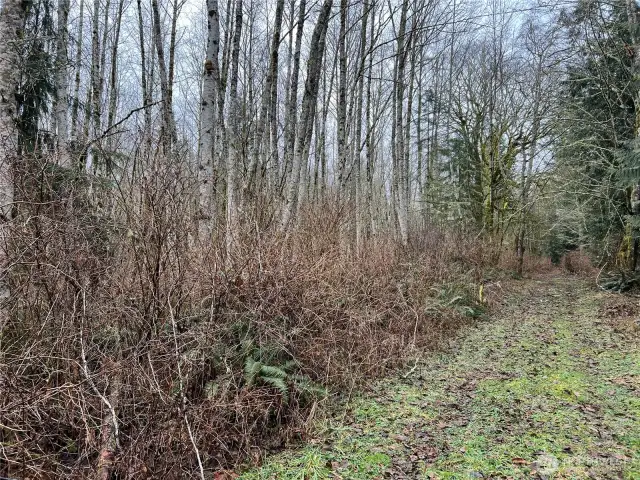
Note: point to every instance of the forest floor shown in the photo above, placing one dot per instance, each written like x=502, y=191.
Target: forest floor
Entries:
x=547, y=387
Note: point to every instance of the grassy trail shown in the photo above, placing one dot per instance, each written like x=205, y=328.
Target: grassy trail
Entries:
x=547, y=388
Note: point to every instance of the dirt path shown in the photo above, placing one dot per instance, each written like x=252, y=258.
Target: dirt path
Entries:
x=548, y=388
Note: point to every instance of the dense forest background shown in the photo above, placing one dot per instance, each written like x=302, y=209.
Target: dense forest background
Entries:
x=211, y=213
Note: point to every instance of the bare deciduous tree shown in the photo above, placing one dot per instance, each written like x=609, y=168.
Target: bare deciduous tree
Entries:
x=308, y=111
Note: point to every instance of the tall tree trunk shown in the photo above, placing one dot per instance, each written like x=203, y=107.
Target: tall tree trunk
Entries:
x=527, y=163
x=419, y=141
x=168, y=133
x=226, y=56
x=61, y=107
x=267, y=93
x=328, y=92
x=274, y=156
x=633, y=14
x=103, y=44
x=342, y=100
x=319, y=151
x=291, y=104
x=234, y=159
x=113, y=82
x=358, y=143
x=221, y=147
x=309, y=101
x=146, y=97
x=11, y=24
x=98, y=99
x=320, y=154
x=210, y=91
x=369, y=143
x=520, y=234
x=76, y=87
x=400, y=174
x=175, y=12
x=408, y=189
x=95, y=93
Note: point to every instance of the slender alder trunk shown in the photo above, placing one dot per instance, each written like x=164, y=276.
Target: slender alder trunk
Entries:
x=359, y=147
x=103, y=44
x=210, y=88
x=409, y=117
x=282, y=168
x=109, y=429
x=274, y=157
x=113, y=81
x=394, y=148
x=633, y=15
x=78, y=70
x=309, y=101
x=146, y=97
x=402, y=207
x=319, y=146
x=521, y=227
x=272, y=77
x=342, y=100
x=95, y=93
x=61, y=106
x=420, y=148
x=172, y=56
x=226, y=56
x=167, y=133
x=321, y=129
x=291, y=104
x=151, y=68
x=527, y=163
x=433, y=161
x=234, y=159
x=11, y=24
x=328, y=91
x=221, y=147
x=102, y=48
x=369, y=157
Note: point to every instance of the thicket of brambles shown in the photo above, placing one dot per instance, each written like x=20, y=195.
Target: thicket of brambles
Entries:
x=131, y=350
x=214, y=217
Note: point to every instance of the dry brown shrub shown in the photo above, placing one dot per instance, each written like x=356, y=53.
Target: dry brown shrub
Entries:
x=619, y=306
x=532, y=265
x=117, y=306
x=578, y=262
x=621, y=312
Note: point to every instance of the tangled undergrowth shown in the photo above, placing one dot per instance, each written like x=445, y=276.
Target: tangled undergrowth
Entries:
x=135, y=349
x=547, y=390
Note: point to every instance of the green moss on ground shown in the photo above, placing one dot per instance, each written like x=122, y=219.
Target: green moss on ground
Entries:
x=546, y=389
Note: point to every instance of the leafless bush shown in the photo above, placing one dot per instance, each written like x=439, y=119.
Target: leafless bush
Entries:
x=578, y=262
x=533, y=264
x=134, y=350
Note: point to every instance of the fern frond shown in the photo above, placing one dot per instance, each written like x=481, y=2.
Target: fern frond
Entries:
x=268, y=353
x=307, y=388
x=271, y=371
x=246, y=346
x=290, y=366
x=251, y=371
x=279, y=384
x=211, y=389
x=313, y=391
